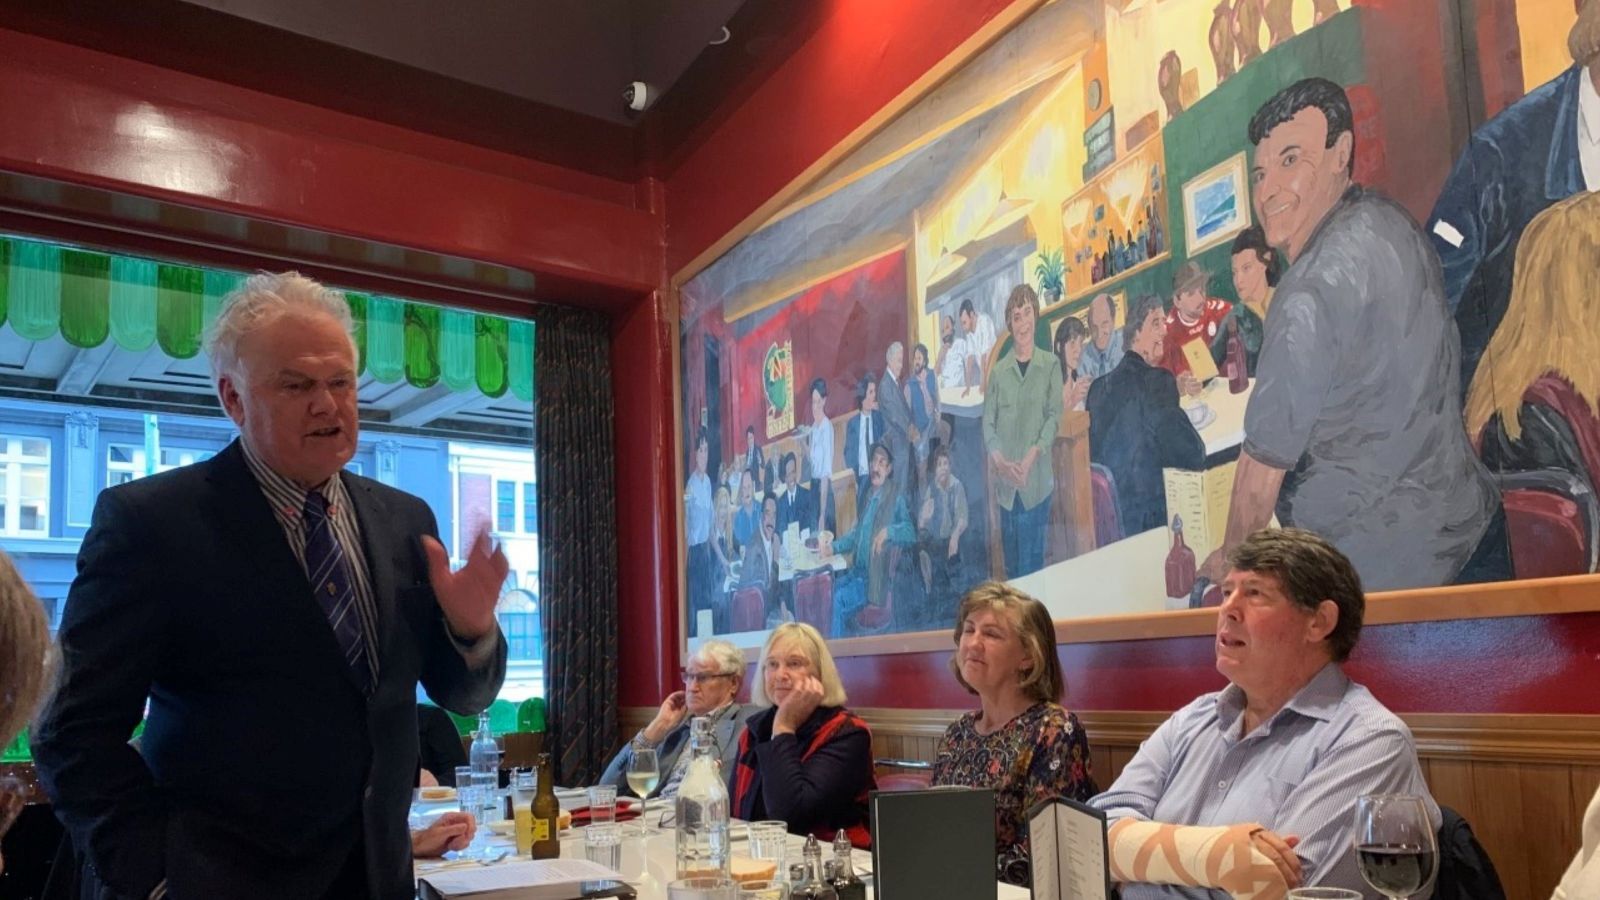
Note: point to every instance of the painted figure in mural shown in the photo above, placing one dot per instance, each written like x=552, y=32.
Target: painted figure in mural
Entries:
x=883, y=524
x=1350, y=430
x=700, y=574
x=754, y=460
x=941, y=521
x=978, y=331
x=819, y=456
x=1247, y=30
x=1256, y=268
x=1195, y=316
x=861, y=432
x=794, y=507
x=901, y=433
x=1136, y=427
x=1104, y=350
x=1546, y=338
x=1279, y=16
x=747, y=517
x=1169, y=83
x=1021, y=414
x=922, y=389
x=952, y=359
x=722, y=539
x=759, y=565
x=1323, y=10
x=1220, y=39
x=1537, y=151
x=1071, y=335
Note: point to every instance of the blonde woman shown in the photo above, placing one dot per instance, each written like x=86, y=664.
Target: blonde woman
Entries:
x=24, y=672
x=1548, y=329
x=804, y=759
x=722, y=531
x=1020, y=742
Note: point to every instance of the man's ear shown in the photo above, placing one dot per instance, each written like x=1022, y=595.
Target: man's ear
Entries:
x=1343, y=147
x=228, y=395
x=1323, y=621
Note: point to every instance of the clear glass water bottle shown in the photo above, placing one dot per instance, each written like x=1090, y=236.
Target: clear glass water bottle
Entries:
x=702, y=808
x=484, y=757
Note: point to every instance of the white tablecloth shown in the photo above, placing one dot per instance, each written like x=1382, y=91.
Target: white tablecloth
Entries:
x=649, y=863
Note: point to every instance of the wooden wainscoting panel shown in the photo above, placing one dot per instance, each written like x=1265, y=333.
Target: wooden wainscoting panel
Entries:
x=1522, y=781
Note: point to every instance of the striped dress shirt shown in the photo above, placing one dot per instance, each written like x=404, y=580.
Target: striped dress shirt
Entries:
x=1298, y=773
x=288, y=501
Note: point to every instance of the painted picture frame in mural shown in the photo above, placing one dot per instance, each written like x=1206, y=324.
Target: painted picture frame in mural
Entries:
x=1216, y=205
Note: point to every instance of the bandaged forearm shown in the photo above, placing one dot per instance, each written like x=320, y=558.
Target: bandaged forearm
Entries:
x=1222, y=857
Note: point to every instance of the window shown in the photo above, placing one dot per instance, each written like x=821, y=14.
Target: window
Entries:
x=530, y=508
x=126, y=462
x=26, y=501
x=505, y=506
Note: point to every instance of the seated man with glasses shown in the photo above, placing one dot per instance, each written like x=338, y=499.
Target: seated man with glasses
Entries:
x=711, y=688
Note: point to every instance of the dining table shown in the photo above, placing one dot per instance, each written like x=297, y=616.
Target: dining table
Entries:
x=649, y=860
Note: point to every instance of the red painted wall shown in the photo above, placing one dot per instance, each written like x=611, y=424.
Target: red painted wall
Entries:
x=830, y=332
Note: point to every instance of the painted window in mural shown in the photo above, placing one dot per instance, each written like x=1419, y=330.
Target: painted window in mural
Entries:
x=1140, y=278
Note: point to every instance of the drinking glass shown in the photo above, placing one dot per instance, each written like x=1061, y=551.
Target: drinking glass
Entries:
x=703, y=889
x=1323, y=893
x=1395, y=844
x=602, y=804
x=769, y=841
x=602, y=844
x=463, y=777
x=644, y=774
x=763, y=890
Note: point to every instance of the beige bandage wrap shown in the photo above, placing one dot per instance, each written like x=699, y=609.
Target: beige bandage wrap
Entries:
x=1221, y=857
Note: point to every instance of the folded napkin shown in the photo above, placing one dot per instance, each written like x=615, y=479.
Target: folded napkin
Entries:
x=624, y=813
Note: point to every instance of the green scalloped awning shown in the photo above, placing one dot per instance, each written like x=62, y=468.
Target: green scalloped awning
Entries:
x=92, y=297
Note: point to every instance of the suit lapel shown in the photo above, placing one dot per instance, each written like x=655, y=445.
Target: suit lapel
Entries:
x=239, y=508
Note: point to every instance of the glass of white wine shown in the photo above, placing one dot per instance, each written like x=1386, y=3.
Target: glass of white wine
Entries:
x=644, y=774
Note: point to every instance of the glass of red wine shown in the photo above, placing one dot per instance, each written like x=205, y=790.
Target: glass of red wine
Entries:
x=1395, y=844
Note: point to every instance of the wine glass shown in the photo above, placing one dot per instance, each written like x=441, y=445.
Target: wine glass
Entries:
x=644, y=773
x=1395, y=844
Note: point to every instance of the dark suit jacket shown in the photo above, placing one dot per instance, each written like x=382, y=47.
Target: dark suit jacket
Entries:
x=1136, y=429
x=439, y=744
x=262, y=762
x=852, y=436
x=1519, y=163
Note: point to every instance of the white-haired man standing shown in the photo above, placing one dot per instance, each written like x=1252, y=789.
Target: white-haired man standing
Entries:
x=277, y=613
x=900, y=431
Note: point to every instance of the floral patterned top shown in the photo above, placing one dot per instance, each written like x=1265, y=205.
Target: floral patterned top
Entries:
x=1040, y=754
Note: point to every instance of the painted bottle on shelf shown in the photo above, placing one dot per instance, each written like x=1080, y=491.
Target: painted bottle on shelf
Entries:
x=1180, y=563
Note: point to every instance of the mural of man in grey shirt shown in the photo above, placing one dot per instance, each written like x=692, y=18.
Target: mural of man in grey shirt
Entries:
x=1353, y=430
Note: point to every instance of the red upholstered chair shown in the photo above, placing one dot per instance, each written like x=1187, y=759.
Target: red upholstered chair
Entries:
x=813, y=600
x=1103, y=496
x=749, y=611
x=1559, y=395
x=1553, y=522
x=872, y=619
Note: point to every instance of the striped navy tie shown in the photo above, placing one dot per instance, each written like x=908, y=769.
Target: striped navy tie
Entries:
x=329, y=574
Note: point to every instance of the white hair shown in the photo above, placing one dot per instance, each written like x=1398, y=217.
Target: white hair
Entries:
x=722, y=656
x=809, y=641
x=262, y=299
x=27, y=660
x=896, y=347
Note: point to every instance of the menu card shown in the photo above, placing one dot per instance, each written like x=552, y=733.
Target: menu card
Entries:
x=1070, y=856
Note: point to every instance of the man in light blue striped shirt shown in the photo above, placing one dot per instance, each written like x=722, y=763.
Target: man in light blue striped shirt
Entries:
x=1291, y=742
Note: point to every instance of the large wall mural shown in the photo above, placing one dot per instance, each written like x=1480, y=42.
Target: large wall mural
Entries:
x=1130, y=284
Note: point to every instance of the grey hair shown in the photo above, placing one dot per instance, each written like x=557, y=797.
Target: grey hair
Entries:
x=264, y=298
x=27, y=663
x=725, y=657
x=896, y=347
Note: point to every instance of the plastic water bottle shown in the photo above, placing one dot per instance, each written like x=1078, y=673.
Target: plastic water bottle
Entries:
x=702, y=809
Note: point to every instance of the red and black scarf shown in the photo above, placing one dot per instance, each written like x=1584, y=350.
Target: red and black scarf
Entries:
x=839, y=723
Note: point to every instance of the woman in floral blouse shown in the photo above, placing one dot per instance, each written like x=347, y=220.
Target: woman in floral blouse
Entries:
x=1020, y=742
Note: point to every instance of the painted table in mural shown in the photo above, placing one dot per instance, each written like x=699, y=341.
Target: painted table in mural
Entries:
x=1118, y=579
x=1222, y=425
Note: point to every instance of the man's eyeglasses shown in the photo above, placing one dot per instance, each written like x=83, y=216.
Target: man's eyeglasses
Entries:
x=703, y=677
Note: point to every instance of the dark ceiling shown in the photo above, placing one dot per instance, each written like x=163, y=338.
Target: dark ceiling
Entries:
x=542, y=79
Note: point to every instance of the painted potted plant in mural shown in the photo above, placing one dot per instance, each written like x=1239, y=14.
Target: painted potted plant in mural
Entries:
x=1051, y=272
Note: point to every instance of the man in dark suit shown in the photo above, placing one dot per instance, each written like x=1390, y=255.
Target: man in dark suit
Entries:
x=277, y=613
x=902, y=432
x=859, y=438
x=1136, y=427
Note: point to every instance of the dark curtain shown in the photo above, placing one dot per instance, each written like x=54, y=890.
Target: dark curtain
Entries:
x=577, y=539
